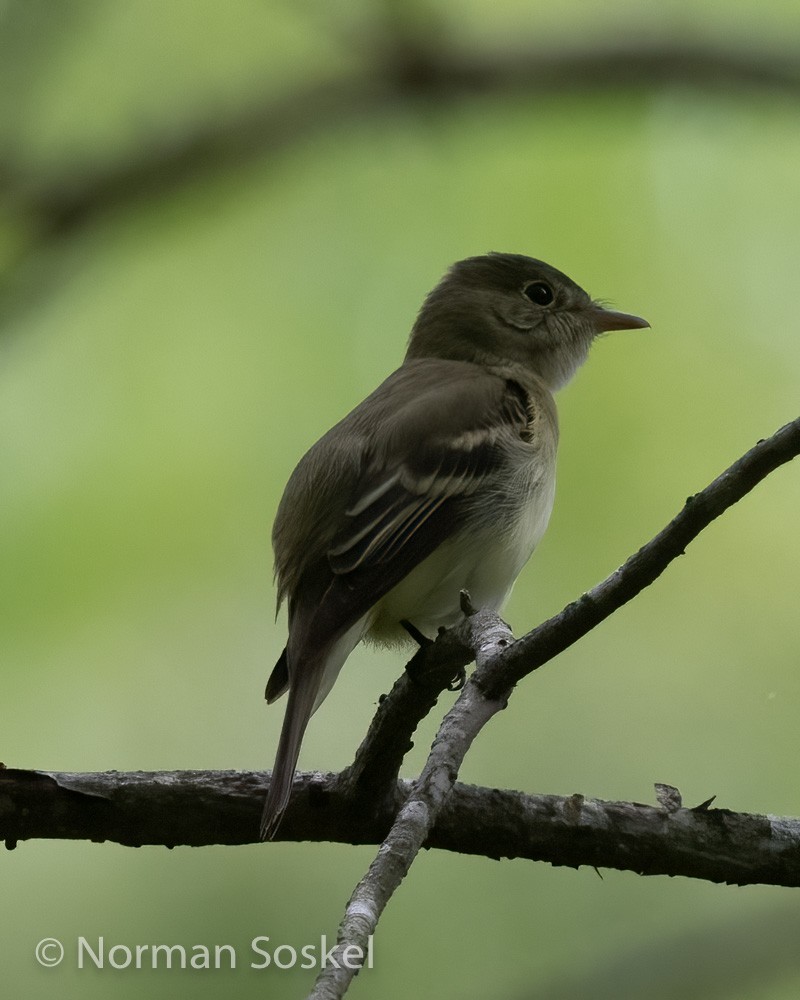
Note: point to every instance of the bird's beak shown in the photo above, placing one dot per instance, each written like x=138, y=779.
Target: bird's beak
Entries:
x=607, y=319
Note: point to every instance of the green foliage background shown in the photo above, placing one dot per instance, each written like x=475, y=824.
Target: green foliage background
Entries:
x=174, y=360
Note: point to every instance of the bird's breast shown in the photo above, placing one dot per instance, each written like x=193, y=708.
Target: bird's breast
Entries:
x=498, y=532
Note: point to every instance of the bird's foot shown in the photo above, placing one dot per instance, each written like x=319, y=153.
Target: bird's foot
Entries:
x=419, y=666
x=421, y=640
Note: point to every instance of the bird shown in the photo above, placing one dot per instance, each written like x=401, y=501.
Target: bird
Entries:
x=441, y=480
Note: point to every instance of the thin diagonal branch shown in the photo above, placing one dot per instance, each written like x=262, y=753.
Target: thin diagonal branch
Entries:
x=645, y=566
x=498, y=669
x=371, y=779
x=418, y=815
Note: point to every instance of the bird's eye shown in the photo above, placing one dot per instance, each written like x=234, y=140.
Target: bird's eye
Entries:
x=539, y=292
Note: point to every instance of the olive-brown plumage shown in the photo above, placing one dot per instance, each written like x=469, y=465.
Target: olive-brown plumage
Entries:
x=441, y=480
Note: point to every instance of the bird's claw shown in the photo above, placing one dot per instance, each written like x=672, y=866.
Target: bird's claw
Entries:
x=459, y=680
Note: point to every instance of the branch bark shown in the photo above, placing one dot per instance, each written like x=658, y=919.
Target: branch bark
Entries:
x=200, y=808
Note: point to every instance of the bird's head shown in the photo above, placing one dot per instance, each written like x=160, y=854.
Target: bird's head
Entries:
x=506, y=309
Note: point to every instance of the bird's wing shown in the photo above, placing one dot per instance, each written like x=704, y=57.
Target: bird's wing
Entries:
x=403, y=508
x=440, y=441
x=375, y=497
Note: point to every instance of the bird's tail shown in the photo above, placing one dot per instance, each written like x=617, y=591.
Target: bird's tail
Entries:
x=303, y=699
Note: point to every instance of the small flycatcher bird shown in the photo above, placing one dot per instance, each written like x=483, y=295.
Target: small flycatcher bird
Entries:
x=440, y=481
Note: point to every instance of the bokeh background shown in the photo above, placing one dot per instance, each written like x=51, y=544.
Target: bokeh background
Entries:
x=216, y=224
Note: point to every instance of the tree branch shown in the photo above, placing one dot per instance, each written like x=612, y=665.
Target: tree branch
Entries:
x=371, y=779
x=499, y=667
x=645, y=566
x=200, y=808
x=181, y=808
x=399, y=67
x=418, y=814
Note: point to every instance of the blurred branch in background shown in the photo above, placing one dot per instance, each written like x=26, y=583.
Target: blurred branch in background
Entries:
x=56, y=205
x=404, y=61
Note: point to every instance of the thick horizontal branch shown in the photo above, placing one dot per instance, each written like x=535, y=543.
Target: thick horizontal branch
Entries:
x=199, y=808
